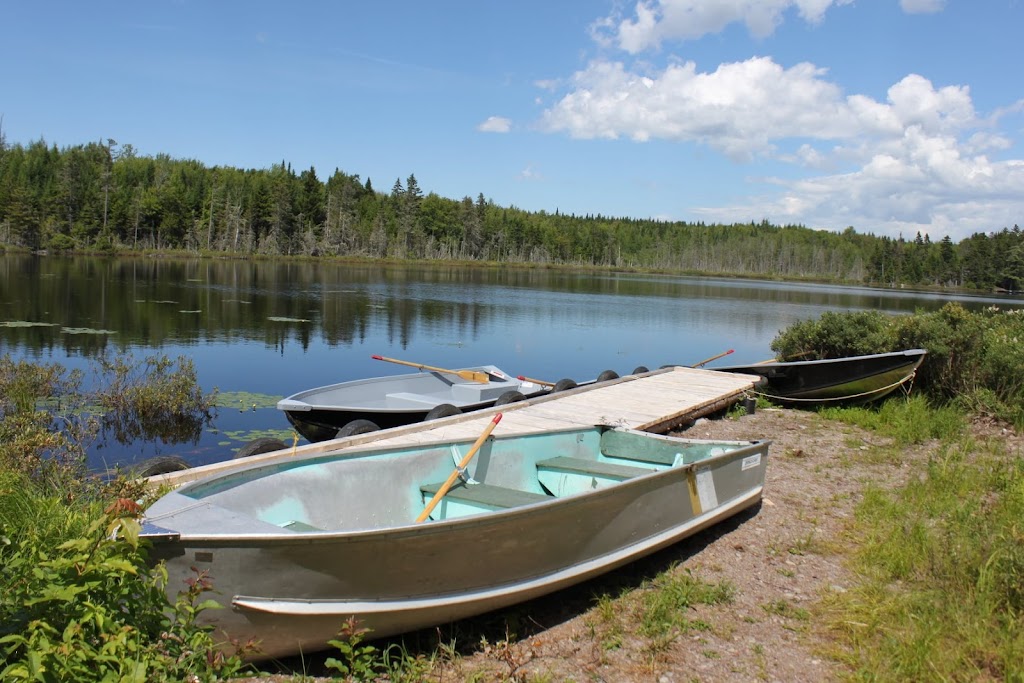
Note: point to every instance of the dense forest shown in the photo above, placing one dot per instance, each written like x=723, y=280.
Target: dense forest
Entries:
x=105, y=196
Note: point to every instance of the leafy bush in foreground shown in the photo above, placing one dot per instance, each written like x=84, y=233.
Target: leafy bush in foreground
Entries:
x=78, y=601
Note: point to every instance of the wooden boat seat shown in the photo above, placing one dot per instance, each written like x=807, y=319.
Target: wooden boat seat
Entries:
x=486, y=495
x=593, y=468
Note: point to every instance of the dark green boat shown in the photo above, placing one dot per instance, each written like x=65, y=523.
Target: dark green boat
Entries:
x=853, y=379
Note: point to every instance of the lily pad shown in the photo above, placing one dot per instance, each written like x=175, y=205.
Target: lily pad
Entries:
x=26, y=323
x=244, y=400
x=85, y=330
x=236, y=438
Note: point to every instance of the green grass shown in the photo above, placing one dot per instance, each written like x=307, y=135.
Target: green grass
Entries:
x=940, y=562
x=665, y=606
x=783, y=608
x=906, y=421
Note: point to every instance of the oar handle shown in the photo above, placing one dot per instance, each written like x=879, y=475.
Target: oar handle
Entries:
x=455, y=473
x=405, y=362
x=708, y=360
x=535, y=381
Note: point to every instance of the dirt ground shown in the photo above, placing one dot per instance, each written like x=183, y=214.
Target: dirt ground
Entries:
x=780, y=558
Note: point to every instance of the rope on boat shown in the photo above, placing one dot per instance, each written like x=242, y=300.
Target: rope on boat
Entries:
x=909, y=378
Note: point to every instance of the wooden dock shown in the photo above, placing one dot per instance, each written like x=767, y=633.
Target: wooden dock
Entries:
x=657, y=401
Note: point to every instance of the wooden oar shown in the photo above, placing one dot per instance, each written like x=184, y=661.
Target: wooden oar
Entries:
x=455, y=473
x=708, y=360
x=535, y=381
x=470, y=375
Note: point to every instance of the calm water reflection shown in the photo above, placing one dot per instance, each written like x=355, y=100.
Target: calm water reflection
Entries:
x=274, y=328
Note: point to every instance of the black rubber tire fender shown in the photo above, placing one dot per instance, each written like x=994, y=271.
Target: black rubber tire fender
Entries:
x=357, y=427
x=161, y=464
x=442, y=410
x=607, y=375
x=640, y=369
x=264, y=444
x=564, y=384
x=510, y=396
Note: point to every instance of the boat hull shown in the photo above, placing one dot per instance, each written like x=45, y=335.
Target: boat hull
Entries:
x=291, y=590
x=854, y=379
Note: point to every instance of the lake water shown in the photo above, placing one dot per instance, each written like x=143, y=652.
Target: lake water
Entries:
x=259, y=331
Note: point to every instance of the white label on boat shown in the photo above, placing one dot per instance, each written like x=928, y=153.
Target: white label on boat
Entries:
x=706, y=488
x=750, y=462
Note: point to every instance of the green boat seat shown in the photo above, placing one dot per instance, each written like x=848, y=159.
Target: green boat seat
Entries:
x=656, y=450
x=485, y=495
x=593, y=468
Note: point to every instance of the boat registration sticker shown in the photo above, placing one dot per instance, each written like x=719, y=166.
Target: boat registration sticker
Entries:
x=750, y=462
x=706, y=488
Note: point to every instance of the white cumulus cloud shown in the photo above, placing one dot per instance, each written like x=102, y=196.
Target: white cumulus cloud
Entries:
x=655, y=21
x=739, y=108
x=921, y=159
x=916, y=161
x=495, y=124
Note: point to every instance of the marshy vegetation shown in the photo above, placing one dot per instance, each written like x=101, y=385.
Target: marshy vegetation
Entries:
x=939, y=562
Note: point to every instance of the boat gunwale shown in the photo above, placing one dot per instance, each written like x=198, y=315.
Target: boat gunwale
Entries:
x=913, y=356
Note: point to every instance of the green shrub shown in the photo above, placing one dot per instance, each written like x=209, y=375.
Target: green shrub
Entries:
x=836, y=334
x=78, y=600
x=89, y=608
x=975, y=359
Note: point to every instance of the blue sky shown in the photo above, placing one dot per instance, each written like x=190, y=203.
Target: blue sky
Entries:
x=891, y=116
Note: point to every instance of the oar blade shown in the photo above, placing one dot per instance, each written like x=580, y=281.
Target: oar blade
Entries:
x=468, y=375
x=474, y=376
